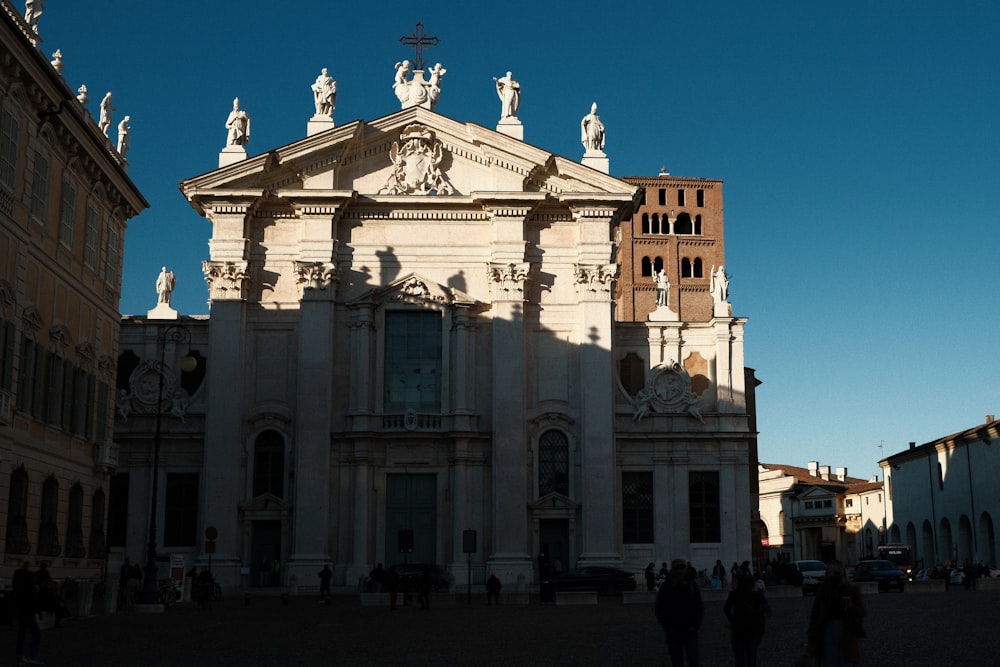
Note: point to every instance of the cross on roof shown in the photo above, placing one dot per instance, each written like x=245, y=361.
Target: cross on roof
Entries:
x=418, y=40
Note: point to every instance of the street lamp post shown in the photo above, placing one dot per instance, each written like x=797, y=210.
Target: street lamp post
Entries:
x=150, y=590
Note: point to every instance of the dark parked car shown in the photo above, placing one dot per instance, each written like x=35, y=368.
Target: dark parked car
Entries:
x=595, y=578
x=410, y=573
x=882, y=571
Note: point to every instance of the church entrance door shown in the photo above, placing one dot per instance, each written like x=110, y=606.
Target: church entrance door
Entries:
x=411, y=504
x=266, y=547
x=554, y=537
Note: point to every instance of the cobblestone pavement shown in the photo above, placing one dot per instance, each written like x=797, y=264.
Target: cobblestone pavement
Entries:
x=956, y=629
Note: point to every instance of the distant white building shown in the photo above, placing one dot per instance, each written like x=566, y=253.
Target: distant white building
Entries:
x=813, y=514
x=944, y=498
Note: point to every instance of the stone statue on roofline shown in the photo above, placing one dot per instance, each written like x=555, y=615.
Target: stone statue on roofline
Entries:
x=165, y=283
x=417, y=92
x=32, y=12
x=325, y=94
x=509, y=92
x=592, y=130
x=123, y=140
x=238, y=125
x=106, y=114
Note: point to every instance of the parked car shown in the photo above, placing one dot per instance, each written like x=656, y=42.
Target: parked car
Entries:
x=410, y=574
x=595, y=578
x=883, y=572
x=811, y=573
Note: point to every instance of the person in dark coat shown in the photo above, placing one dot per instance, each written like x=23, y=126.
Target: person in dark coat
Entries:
x=493, y=587
x=424, y=594
x=325, y=575
x=746, y=608
x=835, y=624
x=25, y=592
x=679, y=612
x=650, y=573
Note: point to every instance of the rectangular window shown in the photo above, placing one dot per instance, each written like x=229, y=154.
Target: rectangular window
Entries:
x=680, y=197
x=67, y=213
x=663, y=196
x=700, y=196
x=40, y=187
x=81, y=402
x=90, y=238
x=703, y=495
x=7, y=342
x=809, y=504
x=8, y=149
x=118, y=509
x=112, y=258
x=413, y=361
x=180, y=520
x=637, y=507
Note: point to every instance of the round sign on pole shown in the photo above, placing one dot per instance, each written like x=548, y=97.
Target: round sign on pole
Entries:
x=211, y=533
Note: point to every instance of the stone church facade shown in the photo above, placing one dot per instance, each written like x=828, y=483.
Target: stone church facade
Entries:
x=413, y=334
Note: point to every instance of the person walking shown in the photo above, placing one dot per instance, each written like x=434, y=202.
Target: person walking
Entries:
x=835, y=624
x=325, y=575
x=424, y=594
x=747, y=610
x=25, y=591
x=493, y=587
x=679, y=611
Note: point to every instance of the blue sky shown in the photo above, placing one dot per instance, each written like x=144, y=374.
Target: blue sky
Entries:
x=858, y=142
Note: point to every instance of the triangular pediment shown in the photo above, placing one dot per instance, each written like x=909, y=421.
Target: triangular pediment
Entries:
x=554, y=503
x=266, y=502
x=417, y=290
x=362, y=160
x=817, y=492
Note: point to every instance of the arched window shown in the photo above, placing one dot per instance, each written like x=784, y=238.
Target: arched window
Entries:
x=697, y=225
x=647, y=267
x=697, y=270
x=553, y=463
x=682, y=225
x=269, y=464
x=74, y=524
x=685, y=268
x=48, y=529
x=658, y=264
x=645, y=223
x=16, y=541
x=655, y=228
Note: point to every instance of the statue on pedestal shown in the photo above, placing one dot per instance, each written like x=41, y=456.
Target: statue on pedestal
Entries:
x=509, y=92
x=417, y=92
x=106, y=111
x=325, y=94
x=592, y=130
x=720, y=284
x=123, y=130
x=32, y=12
x=662, y=288
x=165, y=283
x=238, y=124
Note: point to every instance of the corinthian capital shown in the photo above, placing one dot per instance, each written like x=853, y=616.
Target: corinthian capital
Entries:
x=316, y=275
x=508, y=280
x=595, y=279
x=226, y=280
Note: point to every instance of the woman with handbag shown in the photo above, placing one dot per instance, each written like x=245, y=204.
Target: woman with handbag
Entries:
x=835, y=623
